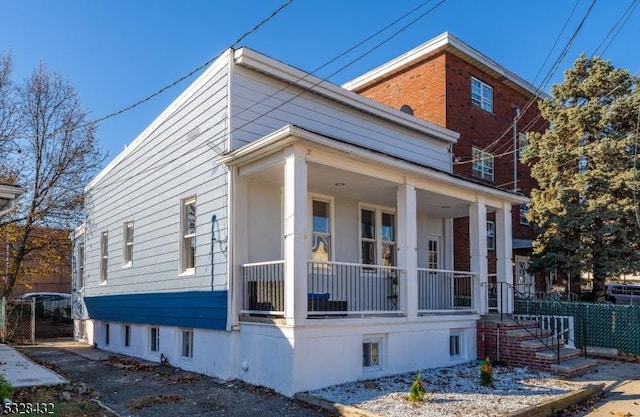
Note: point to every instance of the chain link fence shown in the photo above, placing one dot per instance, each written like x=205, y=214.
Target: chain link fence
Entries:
x=25, y=320
x=596, y=325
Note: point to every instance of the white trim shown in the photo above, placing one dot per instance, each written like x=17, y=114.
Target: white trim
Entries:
x=183, y=227
x=332, y=232
x=380, y=341
x=442, y=42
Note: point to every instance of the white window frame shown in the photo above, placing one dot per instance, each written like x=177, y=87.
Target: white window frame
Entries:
x=188, y=354
x=154, y=339
x=377, y=240
x=80, y=263
x=330, y=201
x=483, y=165
x=127, y=244
x=524, y=209
x=372, y=365
x=104, y=256
x=481, y=95
x=491, y=235
x=187, y=238
x=455, y=349
x=126, y=335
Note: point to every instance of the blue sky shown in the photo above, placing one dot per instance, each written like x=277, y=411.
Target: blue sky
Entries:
x=116, y=52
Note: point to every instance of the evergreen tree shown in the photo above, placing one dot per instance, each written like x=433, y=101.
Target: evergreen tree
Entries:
x=586, y=166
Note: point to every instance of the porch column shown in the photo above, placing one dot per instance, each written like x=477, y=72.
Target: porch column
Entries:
x=504, y=267
x=478, y=253
x=295, y=236
x=407, y=249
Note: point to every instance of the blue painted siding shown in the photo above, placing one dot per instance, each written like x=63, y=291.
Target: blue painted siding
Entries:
x=193, y=309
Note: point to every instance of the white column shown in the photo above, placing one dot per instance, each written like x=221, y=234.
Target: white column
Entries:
x=448, y=247
x=504, y=267
x=478, y=252
x=295, y=237
x=238, y=235
x=407, y=250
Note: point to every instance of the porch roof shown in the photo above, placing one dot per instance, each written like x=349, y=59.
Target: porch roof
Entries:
x=291, y=134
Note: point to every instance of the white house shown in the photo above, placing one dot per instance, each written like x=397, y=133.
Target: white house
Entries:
x=8, y=195
x=277, y=228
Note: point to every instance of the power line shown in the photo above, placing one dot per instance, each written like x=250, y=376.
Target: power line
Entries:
x=290, y=84
x=621, y=22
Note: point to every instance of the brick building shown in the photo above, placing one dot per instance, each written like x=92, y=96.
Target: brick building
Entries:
x=447, y=82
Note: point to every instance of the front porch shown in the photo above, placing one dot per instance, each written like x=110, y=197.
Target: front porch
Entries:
x=328, y=230
x=342, y=289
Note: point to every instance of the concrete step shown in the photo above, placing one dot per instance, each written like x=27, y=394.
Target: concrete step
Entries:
x=541, y=345
x=574, y=367
x=565, y=354
x=528, y=333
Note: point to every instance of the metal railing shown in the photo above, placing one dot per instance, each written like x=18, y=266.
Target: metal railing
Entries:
x=263, y=284
x=442, y=290
x=339, y=288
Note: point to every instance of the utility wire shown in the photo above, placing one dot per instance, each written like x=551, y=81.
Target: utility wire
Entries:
x=294, y=83
x=621, y=22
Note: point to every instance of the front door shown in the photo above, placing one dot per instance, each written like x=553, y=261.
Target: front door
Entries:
x=524, y=282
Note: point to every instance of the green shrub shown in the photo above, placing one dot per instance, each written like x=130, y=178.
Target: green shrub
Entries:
x=5, y=388
x=486, y=373
x=417, y=391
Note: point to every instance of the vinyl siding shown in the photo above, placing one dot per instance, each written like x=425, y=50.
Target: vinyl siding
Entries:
x=261, y=105
x=173, y=159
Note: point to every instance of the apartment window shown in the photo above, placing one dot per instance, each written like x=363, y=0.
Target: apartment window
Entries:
x=106, y=333
x=80, y=258
x=481, y=95
x=524, y=209
x=454, y=345
x=187, y=343
x=188, y=228
x=321, y=230
x=491, y=235
x=127, y=336
x=377, y=237
x=483, y=165
x=154, y=339
x=104, y=256
x=371, y=353
x=127, y=247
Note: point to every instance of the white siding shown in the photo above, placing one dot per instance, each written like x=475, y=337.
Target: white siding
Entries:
x=261, y=105
x=173, y=159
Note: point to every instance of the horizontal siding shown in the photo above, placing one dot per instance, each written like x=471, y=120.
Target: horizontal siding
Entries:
x=260, y=105
x=192, y=309
x=175, y=160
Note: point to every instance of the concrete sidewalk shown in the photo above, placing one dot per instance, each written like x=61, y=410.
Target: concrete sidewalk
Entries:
x=621, y=397
x=22, y=372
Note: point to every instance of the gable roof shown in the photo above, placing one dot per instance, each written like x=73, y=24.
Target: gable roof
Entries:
x=445, y=42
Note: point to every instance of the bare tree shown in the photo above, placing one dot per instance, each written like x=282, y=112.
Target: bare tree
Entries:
x=57, y=155
x=9, y=122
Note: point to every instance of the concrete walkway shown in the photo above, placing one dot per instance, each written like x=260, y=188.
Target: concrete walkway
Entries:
x=621, y=397
x=22, y=372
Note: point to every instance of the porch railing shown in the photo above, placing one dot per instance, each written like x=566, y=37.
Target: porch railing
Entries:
x=263, y=284
x=442, y=290
x=338, y=288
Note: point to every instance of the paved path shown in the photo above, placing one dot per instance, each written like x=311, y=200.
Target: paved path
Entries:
x=22, y=372
x=622, y=390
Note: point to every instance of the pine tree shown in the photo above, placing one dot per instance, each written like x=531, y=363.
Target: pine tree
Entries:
x=586, y=166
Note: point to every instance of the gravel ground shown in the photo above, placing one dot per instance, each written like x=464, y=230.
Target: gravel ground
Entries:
x=452, y=391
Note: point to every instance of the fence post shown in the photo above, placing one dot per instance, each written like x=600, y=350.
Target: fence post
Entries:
x=558, y=340
x=3, y=319
x=584, y=337
x=33, y=321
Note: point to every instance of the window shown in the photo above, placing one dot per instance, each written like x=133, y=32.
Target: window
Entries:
x=482, y=164
x=188, y=228
x=377, y=237
x=433, y=254
x=80, y=258
x=127, y=335
x=127, y=244
x=154, y=339
x=523, y=144
x=371, y=353
x=187, y=343
x=491, y=235
x=524, y=209
x=321, y=230
x=454, y=345
x=481, y=95
x=106, y=333
x=104, y=256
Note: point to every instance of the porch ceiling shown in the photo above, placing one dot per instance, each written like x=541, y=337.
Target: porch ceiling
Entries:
x=343, y=184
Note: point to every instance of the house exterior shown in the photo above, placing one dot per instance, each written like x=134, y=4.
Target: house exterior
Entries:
x=8, y=195
x=277, y=228
x=451, y=84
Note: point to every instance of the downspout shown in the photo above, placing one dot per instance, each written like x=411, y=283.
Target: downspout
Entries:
x=515, y=148
x=214, y=218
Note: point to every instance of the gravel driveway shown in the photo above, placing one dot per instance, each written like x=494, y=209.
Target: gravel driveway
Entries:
x=142, y=389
